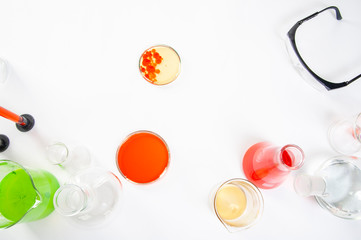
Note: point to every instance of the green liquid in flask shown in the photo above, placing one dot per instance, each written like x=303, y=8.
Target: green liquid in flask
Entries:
x=19, y=200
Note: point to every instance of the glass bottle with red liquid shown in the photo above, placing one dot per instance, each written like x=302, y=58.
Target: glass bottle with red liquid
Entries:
x=267, y=166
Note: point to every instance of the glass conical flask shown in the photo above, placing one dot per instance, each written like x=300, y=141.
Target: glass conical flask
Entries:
x=336, y=186
x=267, y=166
x=345, y=135
x=89, y=197
x=25, y=194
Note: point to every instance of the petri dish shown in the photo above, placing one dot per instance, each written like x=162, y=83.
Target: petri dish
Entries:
x=159, y=65
x=143, y=157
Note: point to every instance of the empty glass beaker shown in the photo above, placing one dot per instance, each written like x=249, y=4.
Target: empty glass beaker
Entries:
x=89, y=197
x=345, y=135
x=238, y=204
x=73, y=160
x=25, y=194
x=267, y=166
x=336, y=185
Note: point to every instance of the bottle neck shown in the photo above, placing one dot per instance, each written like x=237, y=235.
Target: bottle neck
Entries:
x=291, y=157
x=57, y=153
x=70, y=200
x=307, y=185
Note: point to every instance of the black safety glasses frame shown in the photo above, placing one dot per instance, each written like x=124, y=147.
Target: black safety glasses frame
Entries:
x=291, y=35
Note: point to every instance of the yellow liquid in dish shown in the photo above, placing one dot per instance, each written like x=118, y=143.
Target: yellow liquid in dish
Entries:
x=230, y=202
x=167, y=70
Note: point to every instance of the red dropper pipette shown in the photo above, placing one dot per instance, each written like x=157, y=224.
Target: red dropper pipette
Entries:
x=24, y=122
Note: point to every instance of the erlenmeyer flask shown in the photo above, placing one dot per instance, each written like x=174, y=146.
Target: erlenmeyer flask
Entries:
x=345, y=135
x=25, y=194
x=267, y=166
x=89, y=197
x=336, y=186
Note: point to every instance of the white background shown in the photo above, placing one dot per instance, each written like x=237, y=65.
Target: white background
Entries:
x=75, y=69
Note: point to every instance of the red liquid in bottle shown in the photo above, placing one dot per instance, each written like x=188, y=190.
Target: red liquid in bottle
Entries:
x=267, y=166
x=143, y=157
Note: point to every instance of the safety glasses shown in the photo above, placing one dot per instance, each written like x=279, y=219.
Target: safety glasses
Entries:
x=291, y=35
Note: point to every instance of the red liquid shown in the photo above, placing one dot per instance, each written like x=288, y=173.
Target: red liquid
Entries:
x=287, y=158
x=143, y=157
x=265, y=166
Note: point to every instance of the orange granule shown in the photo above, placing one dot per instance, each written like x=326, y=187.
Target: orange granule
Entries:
x=150, y=60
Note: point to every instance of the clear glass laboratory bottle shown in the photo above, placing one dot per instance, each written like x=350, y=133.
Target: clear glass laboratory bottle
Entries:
x=336, y=186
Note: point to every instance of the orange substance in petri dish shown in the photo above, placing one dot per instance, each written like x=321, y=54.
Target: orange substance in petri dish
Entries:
x=143, y=157
x=150, y=60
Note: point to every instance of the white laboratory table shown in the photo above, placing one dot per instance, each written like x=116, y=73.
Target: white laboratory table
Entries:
x=74, y=67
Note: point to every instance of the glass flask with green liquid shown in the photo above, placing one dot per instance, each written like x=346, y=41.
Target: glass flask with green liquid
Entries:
x=25, y=194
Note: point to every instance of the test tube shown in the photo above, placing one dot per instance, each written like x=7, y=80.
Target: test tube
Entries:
x=24, y=122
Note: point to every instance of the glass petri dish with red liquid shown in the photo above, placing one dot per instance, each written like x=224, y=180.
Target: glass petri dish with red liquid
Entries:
x=143, y=157
x=160, y=65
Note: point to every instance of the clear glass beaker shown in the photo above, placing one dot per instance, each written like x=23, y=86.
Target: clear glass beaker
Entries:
x=267, y=166
x=238, y=204
x=336, y=186
x=25, y=194
x=74, y=160
x=345, y=135
x=89, y=197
